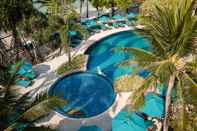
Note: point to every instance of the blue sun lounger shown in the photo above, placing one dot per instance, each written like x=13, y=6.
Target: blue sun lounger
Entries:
x=24, y=74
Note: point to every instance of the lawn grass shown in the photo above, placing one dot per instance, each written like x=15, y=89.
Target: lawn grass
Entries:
x=76, y=63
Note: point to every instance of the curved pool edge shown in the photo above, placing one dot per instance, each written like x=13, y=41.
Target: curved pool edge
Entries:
x=89, y=118
x=81, y=49
x=103, y=121
x=81, y=71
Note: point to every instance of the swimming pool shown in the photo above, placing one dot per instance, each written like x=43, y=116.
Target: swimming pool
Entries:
x=84, y=91
x=102, y=56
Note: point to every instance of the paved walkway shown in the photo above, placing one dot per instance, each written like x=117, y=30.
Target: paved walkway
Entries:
x=48, y=76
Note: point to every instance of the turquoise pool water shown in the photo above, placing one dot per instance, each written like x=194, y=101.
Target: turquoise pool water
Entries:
x=84, y=91
x=101, y=54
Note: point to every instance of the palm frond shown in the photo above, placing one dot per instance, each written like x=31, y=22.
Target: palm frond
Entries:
x=137, y=98
x=80, y=29
x=171, y=28
x=8, y=99
x=128, y=83
x=41, y=109
x=192, y=82
x=164, y=70
x=127, y=63
x=139, y=54
x=191, y=66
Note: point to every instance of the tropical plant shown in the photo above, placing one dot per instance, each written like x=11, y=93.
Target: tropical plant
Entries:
x=22, y=110
x=110, y=3
x=77, y=63
x=121, y=4
x=97, y=4
x=65, y=11
x=171, y=30
x=124, y=4
x=12, y=12
x=148, y=5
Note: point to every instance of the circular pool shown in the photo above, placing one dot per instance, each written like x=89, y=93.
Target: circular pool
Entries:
x=88, y=94
x=101, y=54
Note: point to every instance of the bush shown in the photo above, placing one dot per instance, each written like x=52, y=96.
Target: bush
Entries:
x=76, y=63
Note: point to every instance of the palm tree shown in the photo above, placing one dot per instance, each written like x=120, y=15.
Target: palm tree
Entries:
x=171, y=30
x=65, y=11
x=12, y=12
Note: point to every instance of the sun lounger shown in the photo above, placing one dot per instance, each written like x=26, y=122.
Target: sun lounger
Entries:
x=24, y=74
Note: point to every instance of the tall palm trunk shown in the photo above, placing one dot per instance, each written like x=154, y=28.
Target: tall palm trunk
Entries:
x=168, y=101
x=17, y=41
x=81, y=6
x=97, y=11
x=68, y=43
x=87, y=9
x=112, y=8
x=3, y=54
x=69, y=51
x=127, y=10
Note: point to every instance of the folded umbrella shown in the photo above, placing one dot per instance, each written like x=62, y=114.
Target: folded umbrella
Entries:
x=153, y=106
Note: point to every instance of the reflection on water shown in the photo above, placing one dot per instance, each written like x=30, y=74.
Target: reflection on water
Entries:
x=76, y=113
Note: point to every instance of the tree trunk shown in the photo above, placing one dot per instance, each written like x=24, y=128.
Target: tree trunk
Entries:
x=127, y=10
x=87, y=9
x=97, y=11
x=112, y=8
x=69, y=55
x=3, y=54
x=68, y=44
x=168, y=101
x=81, y=5
x=69, y=51
x=17, y=41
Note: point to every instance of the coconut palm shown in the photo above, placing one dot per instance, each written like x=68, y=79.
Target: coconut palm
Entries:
x=172, y=33
x=65, y=11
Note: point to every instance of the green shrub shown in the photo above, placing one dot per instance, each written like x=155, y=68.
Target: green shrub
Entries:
x=76, y=63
